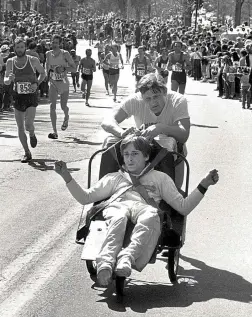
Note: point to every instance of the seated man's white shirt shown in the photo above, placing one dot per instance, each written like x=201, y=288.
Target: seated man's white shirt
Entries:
x=158, y=185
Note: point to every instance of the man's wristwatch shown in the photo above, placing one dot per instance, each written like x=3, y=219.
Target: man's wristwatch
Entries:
x=202, y=189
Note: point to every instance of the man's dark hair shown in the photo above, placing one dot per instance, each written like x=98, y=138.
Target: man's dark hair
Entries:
x=32, y=46
x=57, y=36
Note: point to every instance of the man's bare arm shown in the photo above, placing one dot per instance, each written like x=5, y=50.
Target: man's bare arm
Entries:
x=111, y=124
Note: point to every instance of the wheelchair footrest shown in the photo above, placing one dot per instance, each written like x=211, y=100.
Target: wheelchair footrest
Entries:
x=94, y=240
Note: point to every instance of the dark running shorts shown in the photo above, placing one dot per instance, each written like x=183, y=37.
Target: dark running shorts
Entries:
x=113, y=71
x=179, y=77
x=87, y=77
x=23, y=102
x=105, y=71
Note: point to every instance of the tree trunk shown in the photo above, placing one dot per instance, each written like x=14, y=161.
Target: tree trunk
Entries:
x=28, y=6
x=1, y=10
x=138, y=14
x=238, y=7
x=122, y=4
x=149, y=11
x=187, y=13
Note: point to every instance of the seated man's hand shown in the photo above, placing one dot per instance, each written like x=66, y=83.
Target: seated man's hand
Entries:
x=211, y=179
x=61, y=169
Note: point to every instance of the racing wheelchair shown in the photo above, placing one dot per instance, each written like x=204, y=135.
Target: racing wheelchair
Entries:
x=92, y=227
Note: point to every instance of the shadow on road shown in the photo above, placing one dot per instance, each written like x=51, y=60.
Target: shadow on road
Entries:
x=202, y=95
x=98, y=107
x=6, y=115
x=200, y=284
x=42, y=121
x=7, y=136
x=79, y=141
x=40, y=164
x=204, y=126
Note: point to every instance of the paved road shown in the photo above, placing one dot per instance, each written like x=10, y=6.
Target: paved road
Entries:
x=41, y=273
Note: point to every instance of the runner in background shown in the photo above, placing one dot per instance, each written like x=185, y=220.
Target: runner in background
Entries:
x=161, y=64
x=113, y=60
x=153, y=55
x=140, y=65
x=58, y=64
x=75, y=75
x=21, y=70
x=129, y=41
x=91, y=32
x=105, y=68
x=178, y=63
x=100, y=45
x=87, y=68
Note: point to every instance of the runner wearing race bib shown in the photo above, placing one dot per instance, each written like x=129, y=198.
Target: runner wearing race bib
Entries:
x=21, y=70
x=87, y=67
x=113, y=60
x=161, y=64
x=58, y=64
x=140, y=65
x=129, y=40
x=100, y=45
x=178, y=63
x=153, y=40
x=75, y=75
x=91, y=32
x=153, y=55
x=105, y=68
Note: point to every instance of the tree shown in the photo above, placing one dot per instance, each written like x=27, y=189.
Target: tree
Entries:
x=139, y=6
x=238, y=9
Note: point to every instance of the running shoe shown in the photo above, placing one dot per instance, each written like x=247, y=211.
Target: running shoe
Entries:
x=83, y=95
x=33, y=141
x=26, y=158
x=64, y=124
x=87, y=104
x=53, y=136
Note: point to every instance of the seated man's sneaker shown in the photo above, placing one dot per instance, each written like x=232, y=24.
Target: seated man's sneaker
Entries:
x=104, y=274
x=123, y=266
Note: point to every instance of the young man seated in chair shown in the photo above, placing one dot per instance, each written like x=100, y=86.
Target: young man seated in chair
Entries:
x=131, y=205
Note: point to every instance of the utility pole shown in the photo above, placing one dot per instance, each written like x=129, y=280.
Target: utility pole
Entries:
x=196, y=13
x=218, y=11
x=249, y=12
x=1, y=15
x=128, y=9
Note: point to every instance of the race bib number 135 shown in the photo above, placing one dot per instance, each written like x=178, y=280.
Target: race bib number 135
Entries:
x=23, y=88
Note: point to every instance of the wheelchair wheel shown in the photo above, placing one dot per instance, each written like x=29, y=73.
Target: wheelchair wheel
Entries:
x=91, y=267
x=120, y=280
x=173, y=264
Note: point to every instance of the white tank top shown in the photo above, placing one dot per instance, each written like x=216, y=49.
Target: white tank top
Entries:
x=114, y=61
x=54, y=61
